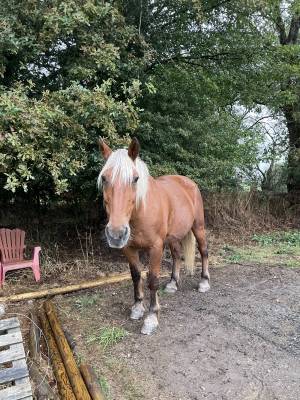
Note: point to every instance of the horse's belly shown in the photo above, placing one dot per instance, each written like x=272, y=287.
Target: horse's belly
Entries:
x=181, y=221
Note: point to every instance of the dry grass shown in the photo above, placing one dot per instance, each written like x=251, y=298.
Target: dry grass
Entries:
x=247, y=212
x=73, y=247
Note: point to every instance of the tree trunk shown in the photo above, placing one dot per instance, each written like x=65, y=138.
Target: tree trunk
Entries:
x=293, y=125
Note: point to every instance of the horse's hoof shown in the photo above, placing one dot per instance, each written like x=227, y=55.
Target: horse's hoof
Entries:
x=150, y=325
x=171, y=287
x=137, y=311
x=203, y=285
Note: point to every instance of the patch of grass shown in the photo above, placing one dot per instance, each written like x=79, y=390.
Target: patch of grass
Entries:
x=276, y=248
x=86, y=301
x=235, y=258
x=289, y=238
x=105, y=387
x=161, y=291
x=79, y=358
x=108, y=336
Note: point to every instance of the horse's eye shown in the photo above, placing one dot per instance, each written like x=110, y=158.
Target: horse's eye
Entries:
x=104, y=180
x=135, y=179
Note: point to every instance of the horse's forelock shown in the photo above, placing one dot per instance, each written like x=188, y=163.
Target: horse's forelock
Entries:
x=123, y=168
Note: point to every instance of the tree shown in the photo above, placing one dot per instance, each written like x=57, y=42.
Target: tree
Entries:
x=248, y=50
x=68, y=75
x=285, y=16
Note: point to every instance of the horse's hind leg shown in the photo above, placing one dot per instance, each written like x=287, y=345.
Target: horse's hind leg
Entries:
x=175, y=248
x=138, y=309
x=199, y=233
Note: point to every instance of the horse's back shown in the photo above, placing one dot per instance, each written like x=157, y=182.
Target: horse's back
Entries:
x=179, y=183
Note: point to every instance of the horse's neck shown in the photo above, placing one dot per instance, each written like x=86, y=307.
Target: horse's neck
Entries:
x=145, y=206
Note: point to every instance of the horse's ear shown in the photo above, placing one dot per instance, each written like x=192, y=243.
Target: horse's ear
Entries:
x=134, y=149
x=104, y=148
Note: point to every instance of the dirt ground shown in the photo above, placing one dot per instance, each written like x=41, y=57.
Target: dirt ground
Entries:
x=241, y=340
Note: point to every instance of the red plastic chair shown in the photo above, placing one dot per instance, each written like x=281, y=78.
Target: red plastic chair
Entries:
x=12, y=253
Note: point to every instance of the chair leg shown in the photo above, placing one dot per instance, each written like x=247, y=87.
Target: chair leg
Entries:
x=36, y=263
x=36, y=272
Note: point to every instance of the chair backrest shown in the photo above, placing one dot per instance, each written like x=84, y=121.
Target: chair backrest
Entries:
x=12, y=244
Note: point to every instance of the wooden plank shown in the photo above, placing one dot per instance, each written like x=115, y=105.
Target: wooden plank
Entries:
x=10, y=338
x=16, y=392
x=11, y=374
x=10, y=323
x=20, y=363
x=12, y=354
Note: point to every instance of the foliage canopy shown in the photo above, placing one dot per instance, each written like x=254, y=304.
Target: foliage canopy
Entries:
x=183, y=76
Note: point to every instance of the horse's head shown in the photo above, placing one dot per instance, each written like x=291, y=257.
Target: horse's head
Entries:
x=123, y=179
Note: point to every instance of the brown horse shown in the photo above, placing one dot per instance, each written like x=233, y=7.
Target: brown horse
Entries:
x=147, y=213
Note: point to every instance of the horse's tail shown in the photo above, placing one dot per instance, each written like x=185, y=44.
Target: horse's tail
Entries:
x=189, y=251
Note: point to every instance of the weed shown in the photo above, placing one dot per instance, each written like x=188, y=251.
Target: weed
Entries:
x=162, y=292
x=108, y=336
x=234, y=258
x=105, y=387
x=79, y=358
x=86, y=301
x=290, y=238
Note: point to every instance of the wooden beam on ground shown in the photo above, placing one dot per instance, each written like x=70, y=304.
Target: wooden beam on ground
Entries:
x=73, y=372
x=91, y=382
x=71, y=288
x=64, y=387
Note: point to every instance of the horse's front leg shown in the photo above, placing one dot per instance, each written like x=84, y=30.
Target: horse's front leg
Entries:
x=151, y=321
x=138, y=309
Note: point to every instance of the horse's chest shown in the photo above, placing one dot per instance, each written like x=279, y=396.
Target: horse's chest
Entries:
x=138, y=238
x=143, y=239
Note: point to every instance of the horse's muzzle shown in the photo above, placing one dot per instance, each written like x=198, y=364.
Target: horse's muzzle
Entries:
x=117, y=238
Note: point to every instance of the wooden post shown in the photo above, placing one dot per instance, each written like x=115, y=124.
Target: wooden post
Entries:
x=73, y=372
x=71, y=288
x=63, y=383
x=91, y=382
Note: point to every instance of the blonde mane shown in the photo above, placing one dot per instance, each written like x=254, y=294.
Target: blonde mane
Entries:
x=123, y=168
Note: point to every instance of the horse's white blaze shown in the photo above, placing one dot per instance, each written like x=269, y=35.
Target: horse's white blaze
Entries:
x=123, y=169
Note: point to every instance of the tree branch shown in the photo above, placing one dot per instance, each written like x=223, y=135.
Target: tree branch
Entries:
x=294, y=30
x=259, y=119
x=281, y=28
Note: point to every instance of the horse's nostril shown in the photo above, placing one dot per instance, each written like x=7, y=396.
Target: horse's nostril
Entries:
x=117, y=234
